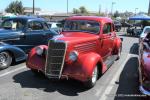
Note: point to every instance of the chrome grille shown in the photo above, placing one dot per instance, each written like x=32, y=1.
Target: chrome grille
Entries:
x=55, y=58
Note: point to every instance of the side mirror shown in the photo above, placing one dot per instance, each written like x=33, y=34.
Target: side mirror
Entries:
x=121, y=39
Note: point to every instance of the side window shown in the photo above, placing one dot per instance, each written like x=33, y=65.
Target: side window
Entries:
x=107, y=28
x=35, y=26
x=46, y=27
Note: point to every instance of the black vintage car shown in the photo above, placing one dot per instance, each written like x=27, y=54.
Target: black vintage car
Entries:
x=118, y=25
x=18, y=35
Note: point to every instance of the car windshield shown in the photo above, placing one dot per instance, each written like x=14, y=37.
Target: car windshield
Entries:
x=147, y=30
x=82, y=26
x=13, y=24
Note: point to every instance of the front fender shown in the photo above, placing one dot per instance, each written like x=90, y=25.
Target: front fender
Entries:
x=88, y=62
x=17, y=53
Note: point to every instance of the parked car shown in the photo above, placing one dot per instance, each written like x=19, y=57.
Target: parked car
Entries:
x=144, y=69
x=18, y=35
x=86, y=48
x=134, y=31
x=56, y=26
x=145, y=31
x=118, y=25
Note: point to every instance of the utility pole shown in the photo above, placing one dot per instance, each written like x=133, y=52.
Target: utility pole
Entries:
x=136, y=10
x=67, y=6
x=99, y=9
x=33, y=7
x=112, y=5
x=149, y=8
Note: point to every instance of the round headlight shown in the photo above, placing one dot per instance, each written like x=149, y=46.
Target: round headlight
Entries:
x=39, y=50
x=73, y=55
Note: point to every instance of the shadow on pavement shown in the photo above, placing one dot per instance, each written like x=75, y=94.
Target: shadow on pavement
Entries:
x=129, y=81
x=66, y=87
x=134, y=49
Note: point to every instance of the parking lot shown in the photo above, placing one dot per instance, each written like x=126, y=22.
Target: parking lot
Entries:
x=120, y=82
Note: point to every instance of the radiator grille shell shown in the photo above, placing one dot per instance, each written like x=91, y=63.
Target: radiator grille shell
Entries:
x=55, y=58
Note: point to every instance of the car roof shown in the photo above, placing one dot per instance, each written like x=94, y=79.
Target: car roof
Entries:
x=146, y=27
x=27, y=18
x=92, y=18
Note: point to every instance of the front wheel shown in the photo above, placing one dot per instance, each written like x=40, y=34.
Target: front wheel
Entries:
x=5, y=60
x=92, y=81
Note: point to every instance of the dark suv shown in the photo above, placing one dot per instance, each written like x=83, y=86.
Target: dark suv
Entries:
x=118, y=25
x=18, y=35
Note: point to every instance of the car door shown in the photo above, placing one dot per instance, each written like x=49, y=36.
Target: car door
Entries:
x=106, y=45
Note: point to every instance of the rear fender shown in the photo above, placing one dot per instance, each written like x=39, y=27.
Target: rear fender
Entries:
x=118, y=44
x=16, y=52
x=89, y=61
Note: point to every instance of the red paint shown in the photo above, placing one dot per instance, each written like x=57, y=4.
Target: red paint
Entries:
x=93, y=49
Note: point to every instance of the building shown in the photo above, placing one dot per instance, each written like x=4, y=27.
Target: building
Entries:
x=29, y=10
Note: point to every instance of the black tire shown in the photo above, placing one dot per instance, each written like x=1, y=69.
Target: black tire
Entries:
x=5, y=59
x=92, y=81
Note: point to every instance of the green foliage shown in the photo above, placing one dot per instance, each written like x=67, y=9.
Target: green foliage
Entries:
x=15, y=7
x=116, y=14
x=76, y=11
x=81, y=10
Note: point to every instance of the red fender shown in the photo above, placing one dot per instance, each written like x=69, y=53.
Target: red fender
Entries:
x=34, y=61
x=88, y=62
x=117, y=44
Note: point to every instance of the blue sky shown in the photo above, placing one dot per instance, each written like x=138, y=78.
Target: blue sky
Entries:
x=92, y=5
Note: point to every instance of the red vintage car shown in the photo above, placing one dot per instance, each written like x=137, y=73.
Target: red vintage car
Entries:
x=144, y=61
x=86, y=48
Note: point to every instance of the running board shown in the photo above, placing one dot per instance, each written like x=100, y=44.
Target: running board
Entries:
x=110, y=60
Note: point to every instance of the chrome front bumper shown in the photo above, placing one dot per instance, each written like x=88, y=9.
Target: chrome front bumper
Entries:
x=144, y=91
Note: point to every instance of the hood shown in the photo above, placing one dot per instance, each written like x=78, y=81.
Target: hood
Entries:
x=75, y=37
x=8, y=34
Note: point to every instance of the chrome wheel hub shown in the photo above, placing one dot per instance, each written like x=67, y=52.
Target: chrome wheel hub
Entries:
x=94, y=75
x=3, y=58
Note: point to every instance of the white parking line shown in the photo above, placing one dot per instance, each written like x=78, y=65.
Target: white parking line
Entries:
x=110, y=86
x=9, y=72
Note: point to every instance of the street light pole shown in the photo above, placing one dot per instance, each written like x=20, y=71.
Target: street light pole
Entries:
x=67, y=6
x=33, y=7
x=112, y=5
x=135, y=10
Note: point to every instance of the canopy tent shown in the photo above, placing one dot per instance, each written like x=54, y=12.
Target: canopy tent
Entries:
x=140, y=17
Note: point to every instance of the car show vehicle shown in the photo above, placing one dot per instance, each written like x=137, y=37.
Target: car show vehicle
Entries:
x=86, y=48
x=118, y=25
x=56, y=26
x=18, y=35
x=144, y=61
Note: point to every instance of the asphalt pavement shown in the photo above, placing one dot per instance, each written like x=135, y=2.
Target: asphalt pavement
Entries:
x=120, y=82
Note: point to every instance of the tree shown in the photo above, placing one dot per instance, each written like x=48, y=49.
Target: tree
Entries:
x=83, y=10
x=75, y=11
x=116, y=14
x=15, y=7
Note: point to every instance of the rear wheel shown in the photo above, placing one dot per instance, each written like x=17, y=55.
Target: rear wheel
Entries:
x=5, y=60
x=92, y=81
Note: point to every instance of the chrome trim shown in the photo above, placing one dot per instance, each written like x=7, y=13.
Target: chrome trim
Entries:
x=62, y=64
x=144, y=91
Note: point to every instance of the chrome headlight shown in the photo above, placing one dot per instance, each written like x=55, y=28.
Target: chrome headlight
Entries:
x=73, y=55
x=39, y=50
